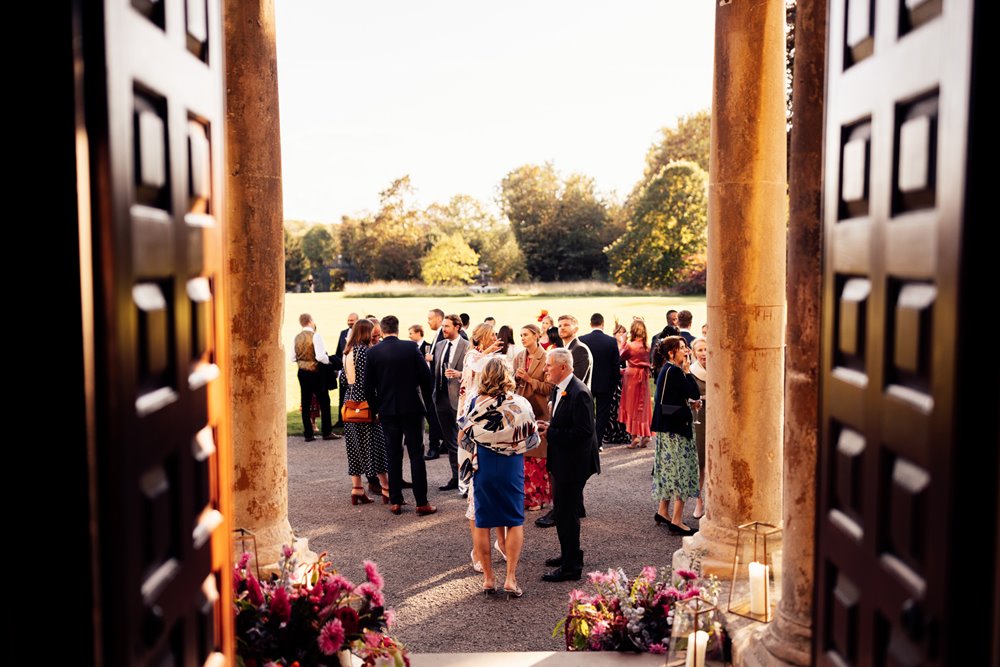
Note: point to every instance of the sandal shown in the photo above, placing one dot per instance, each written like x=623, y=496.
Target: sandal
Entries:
x=496, y=544
x=533, y=508
x=515, y=592
x=476, y=565
x=634, y=444
x=359, y=498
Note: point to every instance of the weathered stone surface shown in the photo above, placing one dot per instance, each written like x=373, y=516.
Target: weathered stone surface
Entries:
x=255, y=276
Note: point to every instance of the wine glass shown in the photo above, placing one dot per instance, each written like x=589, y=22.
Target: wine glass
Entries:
x=697, y=410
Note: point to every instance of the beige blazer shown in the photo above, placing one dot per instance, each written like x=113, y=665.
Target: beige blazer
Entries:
x=536, y=390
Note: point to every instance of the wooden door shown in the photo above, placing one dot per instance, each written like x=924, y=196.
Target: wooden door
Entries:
x=897, y=456
x=152, y=85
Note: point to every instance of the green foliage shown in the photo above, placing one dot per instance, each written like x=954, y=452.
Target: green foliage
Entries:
x=690, y=140
x=450, y=262
x=492, y=238
x=338, y=278
x=668, y=224
x=560, y=227
x=295, y=261
x=693, y=278
x=388, y=245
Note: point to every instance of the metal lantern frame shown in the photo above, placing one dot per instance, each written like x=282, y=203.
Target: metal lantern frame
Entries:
x=763, y=540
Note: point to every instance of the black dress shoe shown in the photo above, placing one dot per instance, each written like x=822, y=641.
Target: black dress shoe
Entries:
x=557, y=561
x=677, y=530
x=431, y=455
x=660, y=520
x=407, y=485
x=559, y=574
x=450, y=486
x=310, y=438
x=546, y=521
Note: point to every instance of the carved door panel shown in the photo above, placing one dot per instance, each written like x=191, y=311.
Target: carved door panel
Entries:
x=897, y=142
x=153, y=85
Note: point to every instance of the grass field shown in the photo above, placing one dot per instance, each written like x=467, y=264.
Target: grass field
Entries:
x=330, y=310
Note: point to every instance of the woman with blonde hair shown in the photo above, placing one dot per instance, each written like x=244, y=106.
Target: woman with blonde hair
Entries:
x=633, y=409
x=497, y=429
x=529, y=373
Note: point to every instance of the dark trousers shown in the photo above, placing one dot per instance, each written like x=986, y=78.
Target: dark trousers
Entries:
x=603, y=402
x=340, y=408
x=408, y=430
x=567, y=496
x=311, y=383
x=449, y=430
x=433, y=433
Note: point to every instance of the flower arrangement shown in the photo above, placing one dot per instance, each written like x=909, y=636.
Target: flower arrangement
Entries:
x=291, y=621
x=632, y=614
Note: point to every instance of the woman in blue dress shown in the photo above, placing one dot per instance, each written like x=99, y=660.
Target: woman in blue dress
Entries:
x=497, y=429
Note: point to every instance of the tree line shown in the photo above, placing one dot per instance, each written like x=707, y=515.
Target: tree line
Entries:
x=552, y=228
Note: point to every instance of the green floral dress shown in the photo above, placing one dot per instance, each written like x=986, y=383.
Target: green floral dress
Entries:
x=675, y=467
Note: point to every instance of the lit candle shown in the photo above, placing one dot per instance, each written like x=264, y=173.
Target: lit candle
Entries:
x=697, y=647
x=758, y=588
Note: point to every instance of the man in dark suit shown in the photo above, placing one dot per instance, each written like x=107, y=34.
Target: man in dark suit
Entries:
x=583, y=361
x=447, y=363
x=339, y=365
x=398, y=386
x=604, y=379
x=572, y=459
x=684, y=321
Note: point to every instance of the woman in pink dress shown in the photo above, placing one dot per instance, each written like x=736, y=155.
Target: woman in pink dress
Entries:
x=634, y=409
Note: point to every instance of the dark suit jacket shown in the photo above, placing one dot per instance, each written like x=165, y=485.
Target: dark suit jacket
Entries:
x=397, y=380
x=673, y=388
x=583, y=360
x=341, y=345
x=604, y=349
x=572, y=437
x=688, y=337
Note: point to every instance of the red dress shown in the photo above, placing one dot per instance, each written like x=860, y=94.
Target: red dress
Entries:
x=634, y=409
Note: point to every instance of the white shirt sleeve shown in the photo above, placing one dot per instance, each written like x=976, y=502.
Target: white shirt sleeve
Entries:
x=320, y=350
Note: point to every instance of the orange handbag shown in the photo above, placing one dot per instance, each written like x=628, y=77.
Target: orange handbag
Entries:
x=356, y=412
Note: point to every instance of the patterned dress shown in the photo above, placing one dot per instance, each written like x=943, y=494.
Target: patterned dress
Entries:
x=616, y=433
x=675, y=463
x=365, y=442
x=634, y=408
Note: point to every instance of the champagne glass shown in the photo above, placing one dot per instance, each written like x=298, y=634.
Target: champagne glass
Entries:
x=697, y=410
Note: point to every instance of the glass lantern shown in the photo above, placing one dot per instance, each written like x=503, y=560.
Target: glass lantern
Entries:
x=242, y=536
x=696, y=636
x=756, y=580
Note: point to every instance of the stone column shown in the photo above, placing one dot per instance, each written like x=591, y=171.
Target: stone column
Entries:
x=789, y=636
x=256, y=276
x=747, y=207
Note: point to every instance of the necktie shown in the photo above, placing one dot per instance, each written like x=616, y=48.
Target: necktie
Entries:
x=444, y=365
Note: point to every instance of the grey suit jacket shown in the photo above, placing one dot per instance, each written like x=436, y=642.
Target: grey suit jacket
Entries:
x=456, y=360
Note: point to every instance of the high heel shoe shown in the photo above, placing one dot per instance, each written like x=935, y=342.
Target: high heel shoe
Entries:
x=496, y=545
x=660, y=520
x=360, y=498
x=634, y=444
x=515, y=592
x=385, y=496
x=678, y=530
x=643, y=443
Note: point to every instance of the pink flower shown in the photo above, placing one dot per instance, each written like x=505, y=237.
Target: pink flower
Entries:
x=576, y=595
x=373, y=594
x=390, y=617
x=372, y=639
x=600, y=628
x=338, y=584
x=657, y=649
x=692, y=592
x=371, y=572
x=331, y=637
x=687, y=574
x=649, y=573
x=244, y=559
x=286, y=551
x=256, y=595
x=281, y=608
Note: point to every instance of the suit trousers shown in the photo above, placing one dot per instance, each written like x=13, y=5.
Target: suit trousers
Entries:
x=449, y=430
x=567, y=496
x=602, y=402
x=433, y=432
x=408, y=429
x=312, y=383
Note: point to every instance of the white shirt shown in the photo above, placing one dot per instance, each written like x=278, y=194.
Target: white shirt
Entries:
x=318, y=348
x=560, y=388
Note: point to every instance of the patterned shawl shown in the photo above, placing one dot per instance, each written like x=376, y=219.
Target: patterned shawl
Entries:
x=505, y=424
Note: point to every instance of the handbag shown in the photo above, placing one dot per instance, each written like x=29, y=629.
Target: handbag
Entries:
x=356, y=412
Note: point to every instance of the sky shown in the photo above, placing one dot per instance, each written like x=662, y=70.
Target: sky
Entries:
x=458, y=94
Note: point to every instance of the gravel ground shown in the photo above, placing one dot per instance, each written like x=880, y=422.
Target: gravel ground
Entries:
x=425, y=560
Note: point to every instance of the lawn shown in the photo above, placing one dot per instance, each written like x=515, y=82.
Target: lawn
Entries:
x=330, y=310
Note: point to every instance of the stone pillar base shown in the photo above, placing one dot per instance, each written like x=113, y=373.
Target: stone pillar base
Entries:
x=719, y=545
x=270, y=538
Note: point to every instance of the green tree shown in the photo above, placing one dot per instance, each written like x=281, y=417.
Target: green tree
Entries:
x=295, y=261
x=667, y=226
x=560, y=226
x=320, y=250
x=450, y=262
x=690, y=140
x=490, y=237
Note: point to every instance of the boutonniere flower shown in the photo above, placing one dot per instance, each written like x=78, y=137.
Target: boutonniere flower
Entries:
x=563, y=394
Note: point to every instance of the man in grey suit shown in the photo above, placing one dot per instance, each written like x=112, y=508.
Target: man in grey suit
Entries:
x=446, y=368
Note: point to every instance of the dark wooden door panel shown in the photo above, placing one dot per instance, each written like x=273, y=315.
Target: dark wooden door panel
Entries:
x=897, y=132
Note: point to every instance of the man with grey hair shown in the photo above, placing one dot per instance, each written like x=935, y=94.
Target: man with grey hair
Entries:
x=572, y=458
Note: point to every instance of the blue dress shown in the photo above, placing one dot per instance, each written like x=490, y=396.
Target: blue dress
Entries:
x=498, y=489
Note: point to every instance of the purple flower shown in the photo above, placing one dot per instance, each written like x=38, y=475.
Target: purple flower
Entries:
x=281, y=608
x=687, y=574
x=331, y=637
x=256, y=594
x=371, y=572
x=287, y=551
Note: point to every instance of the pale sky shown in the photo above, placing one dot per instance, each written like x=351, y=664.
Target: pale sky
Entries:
x=458, y=93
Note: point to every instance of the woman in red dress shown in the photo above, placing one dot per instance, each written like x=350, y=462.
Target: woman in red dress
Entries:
x=634, y=409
